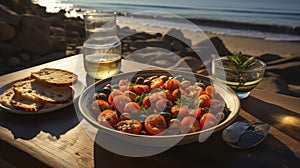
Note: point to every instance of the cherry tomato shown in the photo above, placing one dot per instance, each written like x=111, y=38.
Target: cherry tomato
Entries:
x=204, y=100
x=189, y=124
x=98, y=106
x=172, y=84
x=208, y=120
x=146, y=102
x=210, y=90
x=174, y=110
x=168, y=94
x=141, y=89
x=120, y=101
x=163, y=105
x=130, y=94
x=156, y=83
x=108, y=118
x=132, y=108
x=129, y=126
x=176, y=94
x=112, y=95
x=124, y=82
x=183, y=111
x=155, y=124
x=196, y=113
x=156, y=97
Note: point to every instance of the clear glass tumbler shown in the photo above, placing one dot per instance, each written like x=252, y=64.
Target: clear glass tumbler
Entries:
x=102, y=51
x=242, y=81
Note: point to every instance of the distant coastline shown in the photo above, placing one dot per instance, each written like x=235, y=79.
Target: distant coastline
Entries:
x=224, y=27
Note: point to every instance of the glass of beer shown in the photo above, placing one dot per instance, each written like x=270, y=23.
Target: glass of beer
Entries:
x=102, y=50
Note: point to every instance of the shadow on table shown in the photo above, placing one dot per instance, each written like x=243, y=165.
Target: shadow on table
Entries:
x=283, y=119
x=213, y=152
x=28, y=126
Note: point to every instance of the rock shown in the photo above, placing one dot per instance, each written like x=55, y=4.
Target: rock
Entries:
x=57, y=31
x=161, y=63
x=219, y=45
x=9, y=16
x=152, y=43
x=176, y=45
x=9, y=50
x=14, y=62
x=7, y=32
x=175, y=34
x=34, y=35
x=75, y=25
x=188, y=62
x=24, y=57
x=58, y=43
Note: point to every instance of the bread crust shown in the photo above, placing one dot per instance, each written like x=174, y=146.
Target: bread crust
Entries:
x=54, y=76
x=38, y=92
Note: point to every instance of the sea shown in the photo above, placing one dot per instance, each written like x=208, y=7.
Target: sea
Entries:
x=277, y=20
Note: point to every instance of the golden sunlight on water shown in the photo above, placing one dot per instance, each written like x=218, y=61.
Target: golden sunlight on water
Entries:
x=53, y=6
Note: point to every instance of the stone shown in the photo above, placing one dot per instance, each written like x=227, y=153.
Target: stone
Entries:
x=14, y=62
x=152, y=43
x=220, y=46
x=9, y=16
x=9, y=50
x=24, y=57
x=34, y=35
x=57, y=31
x=58, y=43
x=175, y=34
x=7, y=32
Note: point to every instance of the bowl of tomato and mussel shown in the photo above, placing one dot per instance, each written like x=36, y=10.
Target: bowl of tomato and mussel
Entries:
x=156, y=106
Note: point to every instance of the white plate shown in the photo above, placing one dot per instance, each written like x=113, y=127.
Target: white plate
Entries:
x=77, y=87
x=228, y=95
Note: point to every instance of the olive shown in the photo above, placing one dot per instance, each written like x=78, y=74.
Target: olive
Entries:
x=200, y=84
x=185, y=83
x=139, y=80
x=108, y=85
x=130, y=94
x=100, y=96
x=174, y=127
x=106, y=90
x=125, y=116
x=174, y=123
x=164, y=78
x=147, y=82
x=115, y=86
x=179, y=78
x=166, y=115
x=151, y=77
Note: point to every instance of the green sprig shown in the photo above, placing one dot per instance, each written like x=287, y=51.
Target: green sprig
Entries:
x=241, y=61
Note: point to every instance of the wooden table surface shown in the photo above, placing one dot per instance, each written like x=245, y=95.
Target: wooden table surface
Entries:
x=59, y=139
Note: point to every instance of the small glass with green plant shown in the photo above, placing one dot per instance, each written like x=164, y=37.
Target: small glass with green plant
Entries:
x=240, y=72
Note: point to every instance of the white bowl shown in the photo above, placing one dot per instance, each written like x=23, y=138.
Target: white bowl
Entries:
x=227, y=94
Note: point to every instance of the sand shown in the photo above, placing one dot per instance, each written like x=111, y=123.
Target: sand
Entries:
x=282, y=57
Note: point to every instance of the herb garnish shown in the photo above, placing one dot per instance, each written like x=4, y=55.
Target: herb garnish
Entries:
x=241, y=61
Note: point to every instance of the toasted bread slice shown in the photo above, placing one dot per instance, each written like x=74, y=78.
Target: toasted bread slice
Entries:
x=37, y=91
x=54, y=76
x=21, y=103
x=6, y=97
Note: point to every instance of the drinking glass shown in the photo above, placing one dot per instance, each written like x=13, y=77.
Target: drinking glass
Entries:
x=102, y=50
x=242, y=81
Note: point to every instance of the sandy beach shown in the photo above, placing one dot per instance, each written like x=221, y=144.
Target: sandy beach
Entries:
x=282, y=57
